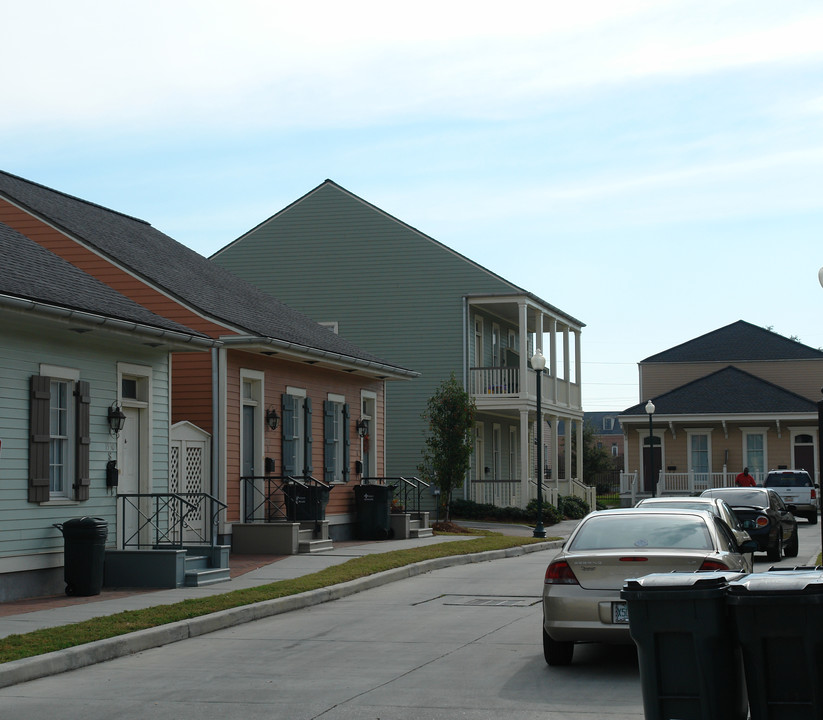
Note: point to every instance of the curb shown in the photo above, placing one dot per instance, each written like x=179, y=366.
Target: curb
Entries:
x=74, y=658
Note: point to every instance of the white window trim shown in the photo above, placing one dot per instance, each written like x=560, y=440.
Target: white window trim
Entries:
x=61, y=373
x=370, y=397
x=699, y=431
x=764, y=431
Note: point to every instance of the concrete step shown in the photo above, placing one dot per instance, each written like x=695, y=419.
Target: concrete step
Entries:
x=208, y=576
x=419, y=532
x=197, y=562
x=313, y=546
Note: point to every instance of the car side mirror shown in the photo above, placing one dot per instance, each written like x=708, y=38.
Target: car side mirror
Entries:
x=749, y=524
x=748, y=546
x=792, y=509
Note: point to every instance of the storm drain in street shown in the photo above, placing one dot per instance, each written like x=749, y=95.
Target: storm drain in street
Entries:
x=487, y=600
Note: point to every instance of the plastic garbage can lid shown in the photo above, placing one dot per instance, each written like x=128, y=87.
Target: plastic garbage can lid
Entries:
x=799, y=582
x=683, y=580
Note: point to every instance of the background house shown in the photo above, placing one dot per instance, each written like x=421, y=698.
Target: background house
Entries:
x=73, y=348
x=405, y=296
x=608, y=433
x=739, y=396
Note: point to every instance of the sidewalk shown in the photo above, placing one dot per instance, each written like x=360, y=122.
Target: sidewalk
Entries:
x=247, y=571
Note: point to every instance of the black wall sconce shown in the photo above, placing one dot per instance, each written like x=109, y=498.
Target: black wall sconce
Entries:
x=272, y=418
x=116, y=418
x=362, y=427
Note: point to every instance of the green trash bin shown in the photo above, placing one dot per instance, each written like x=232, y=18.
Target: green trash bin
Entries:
x=778, y=619
x=373, y=508
x=690, y=665
x=84, y=548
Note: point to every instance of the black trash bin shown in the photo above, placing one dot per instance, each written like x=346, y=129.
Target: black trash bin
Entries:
x=373, y=507
x=84, y=549
x=778, y=620
x=305, y=502
x=690, y=665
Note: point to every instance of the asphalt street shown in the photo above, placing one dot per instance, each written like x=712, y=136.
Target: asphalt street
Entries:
x=459, y=642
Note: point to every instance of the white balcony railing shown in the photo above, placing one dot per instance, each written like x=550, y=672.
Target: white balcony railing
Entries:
x=505, y=382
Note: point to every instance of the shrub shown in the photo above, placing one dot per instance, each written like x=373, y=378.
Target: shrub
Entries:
x=573, y=507
x=468, y=510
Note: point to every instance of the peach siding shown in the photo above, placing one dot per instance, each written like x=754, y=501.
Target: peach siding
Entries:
x=318, y=383
x=798, y=376
x=106, y=272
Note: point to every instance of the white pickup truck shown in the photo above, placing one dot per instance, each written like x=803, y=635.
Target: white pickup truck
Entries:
x=796, y=488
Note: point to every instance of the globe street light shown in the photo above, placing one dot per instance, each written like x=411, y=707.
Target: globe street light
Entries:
x=539, y=364
x=650, y=411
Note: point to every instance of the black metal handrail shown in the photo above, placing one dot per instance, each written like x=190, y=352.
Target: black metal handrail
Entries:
x=404, y=489
x=274, y=498
x=163, y=518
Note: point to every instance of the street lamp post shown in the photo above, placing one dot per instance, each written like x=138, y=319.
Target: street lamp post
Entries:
x=539, y=363
x=650, y=411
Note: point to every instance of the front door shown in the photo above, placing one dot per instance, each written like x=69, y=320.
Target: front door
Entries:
x=248, y=464
x=804, y=454
x=652, y=464
x=129, y=463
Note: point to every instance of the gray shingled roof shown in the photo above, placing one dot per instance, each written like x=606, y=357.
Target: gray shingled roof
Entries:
x=178, y=270
x=737, y=342
x=725, y=392
x=30, y=272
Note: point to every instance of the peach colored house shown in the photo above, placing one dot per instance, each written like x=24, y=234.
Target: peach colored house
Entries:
x=739, y=396
x=278, y=396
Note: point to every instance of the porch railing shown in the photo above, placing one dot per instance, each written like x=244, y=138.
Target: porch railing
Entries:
x=277, y=498
x=494, y=381
x=683, y=483
x=407, y=490
x=168, y=519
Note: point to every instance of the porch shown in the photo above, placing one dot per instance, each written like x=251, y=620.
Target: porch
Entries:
x=511, y=493
x=678, y=483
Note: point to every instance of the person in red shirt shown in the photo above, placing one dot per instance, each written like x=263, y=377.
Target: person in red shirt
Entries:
x=744, y=479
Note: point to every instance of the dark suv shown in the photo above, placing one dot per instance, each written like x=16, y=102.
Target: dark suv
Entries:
x=796, y=488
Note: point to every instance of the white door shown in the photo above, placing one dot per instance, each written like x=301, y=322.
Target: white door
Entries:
x=189, y=475
x=129, y=463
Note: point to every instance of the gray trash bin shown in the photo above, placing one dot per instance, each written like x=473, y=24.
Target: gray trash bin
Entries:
x=84, y=543
x=691, y=668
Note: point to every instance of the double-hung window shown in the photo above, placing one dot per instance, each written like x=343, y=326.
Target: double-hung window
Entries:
x=336, y=441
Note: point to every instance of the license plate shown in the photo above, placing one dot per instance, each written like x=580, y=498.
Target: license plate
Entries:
x=789, y=498
x=620, y=613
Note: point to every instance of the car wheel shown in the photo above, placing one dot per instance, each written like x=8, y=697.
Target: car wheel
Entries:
x=557, y=653
x=812, y=518
x=775, y=552
x=793, y=546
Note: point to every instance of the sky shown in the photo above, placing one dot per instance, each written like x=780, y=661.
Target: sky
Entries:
x=653, y=168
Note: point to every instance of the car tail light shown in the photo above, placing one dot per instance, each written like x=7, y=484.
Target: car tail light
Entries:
x=634, y=558
x=559, y=573
x=814, y=494
x=762, y=521
x=713, y=565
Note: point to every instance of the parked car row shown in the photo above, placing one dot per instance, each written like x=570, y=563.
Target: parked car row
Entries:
x=718, y=531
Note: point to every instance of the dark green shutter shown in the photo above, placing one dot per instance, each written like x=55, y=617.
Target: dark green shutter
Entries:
x=82, y=396
x=289, y=442
x=328, y=441
x=346, y=442
x=40, y=435
x=308, y=438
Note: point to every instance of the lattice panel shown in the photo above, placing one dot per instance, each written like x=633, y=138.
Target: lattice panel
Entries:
x=174, y=469
x=194, y=476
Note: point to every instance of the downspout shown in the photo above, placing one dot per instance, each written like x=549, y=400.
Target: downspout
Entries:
x=215, y=424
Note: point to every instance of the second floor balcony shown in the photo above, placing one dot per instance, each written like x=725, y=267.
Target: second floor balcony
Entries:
x=494, y=386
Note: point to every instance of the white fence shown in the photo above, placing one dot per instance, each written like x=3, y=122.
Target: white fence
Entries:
x=509, y=493
x=684, y=483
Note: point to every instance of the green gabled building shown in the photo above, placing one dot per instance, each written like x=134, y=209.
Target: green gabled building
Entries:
x=412, y=300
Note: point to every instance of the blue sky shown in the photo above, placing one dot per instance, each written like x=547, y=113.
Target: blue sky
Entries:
x=652, y=167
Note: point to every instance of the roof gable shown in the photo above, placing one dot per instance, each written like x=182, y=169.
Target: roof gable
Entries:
x=727, y=391
x=739, y=342
x=31, y=272
x=180, y=272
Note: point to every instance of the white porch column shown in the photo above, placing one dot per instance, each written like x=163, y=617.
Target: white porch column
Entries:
x=578, y=365
x=567, y=371
x=567, y=452
x=579, y=463
x=555, y=463
x=553, y=358
x=525, y=462
x=524, y=350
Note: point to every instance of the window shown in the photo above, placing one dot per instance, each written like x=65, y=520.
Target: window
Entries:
x=495, y=345
x=297, y=435
x=478, y=342
x=700, y=454
x=614, y=450
x=608, y=423
x=496, y=451
x=512, y=453
x=754, y=450
x=330, y=325
x=336, y=439
x=59, y=436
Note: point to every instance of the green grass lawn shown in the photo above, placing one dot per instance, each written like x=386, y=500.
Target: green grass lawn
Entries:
x=15, y=647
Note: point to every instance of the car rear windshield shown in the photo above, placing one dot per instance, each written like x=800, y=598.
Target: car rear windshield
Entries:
x=788, y=479
x=638, y=530
x=738, y=497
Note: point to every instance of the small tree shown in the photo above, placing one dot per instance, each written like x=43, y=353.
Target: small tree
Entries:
x=450, y=414
x=595, y=460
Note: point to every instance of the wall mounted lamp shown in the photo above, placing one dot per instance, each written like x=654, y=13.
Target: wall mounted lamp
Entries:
x=116, y=418
x=272, y=418
x=362, y=426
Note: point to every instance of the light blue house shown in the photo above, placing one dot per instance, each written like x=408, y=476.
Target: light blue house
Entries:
x=73, y=351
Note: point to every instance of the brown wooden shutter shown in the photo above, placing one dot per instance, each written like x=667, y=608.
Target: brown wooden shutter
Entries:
x=82, y=396
x=39, y=425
